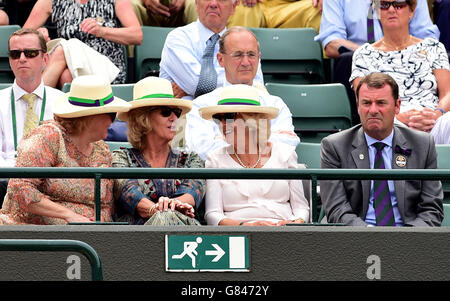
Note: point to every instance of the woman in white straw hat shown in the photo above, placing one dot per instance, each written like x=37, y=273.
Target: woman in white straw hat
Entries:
x=152, y=125
x=73, y=139
x=246, y=127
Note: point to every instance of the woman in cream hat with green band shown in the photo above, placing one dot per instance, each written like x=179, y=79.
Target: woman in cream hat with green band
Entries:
x=73, y=139
x=152, y=125
x=246, y=128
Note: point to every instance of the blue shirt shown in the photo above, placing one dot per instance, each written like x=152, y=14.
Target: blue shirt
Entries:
x=387, y=157
x=181, y=57
x=347, y=19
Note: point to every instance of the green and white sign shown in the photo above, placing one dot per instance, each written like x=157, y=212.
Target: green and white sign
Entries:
x=212, y=253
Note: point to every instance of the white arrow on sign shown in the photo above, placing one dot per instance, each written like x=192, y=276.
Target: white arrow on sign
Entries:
x=218, y=252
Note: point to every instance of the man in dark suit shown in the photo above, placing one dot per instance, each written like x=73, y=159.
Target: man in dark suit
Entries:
x=379, y=143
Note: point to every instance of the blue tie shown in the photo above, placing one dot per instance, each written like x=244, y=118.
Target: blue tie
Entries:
x=208, y=76
x=370, y=26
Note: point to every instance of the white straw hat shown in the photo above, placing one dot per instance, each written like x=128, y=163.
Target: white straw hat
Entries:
x=89, y=95
x=239, y=99
x=155, y=91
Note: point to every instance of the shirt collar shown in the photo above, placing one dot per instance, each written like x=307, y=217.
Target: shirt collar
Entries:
x=205, y=33
x=19, y=92
x=387, y=140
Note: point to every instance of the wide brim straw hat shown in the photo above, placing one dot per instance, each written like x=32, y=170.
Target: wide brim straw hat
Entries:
x=154, y=91
x=239, y=99
x=89, y=95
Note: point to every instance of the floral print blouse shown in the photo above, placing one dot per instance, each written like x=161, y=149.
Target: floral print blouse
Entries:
x=129, y=192
x=412, y=68
x=49, y=145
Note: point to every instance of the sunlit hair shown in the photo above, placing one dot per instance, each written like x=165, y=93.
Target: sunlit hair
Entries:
x=230, y=31
x=378, y=80
x=139, y=125
x=74, y=126
x=25, y=31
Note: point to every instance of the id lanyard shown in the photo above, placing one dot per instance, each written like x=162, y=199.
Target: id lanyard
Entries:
x=13, y=112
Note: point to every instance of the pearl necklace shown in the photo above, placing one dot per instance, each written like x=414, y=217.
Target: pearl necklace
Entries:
x=245, y=166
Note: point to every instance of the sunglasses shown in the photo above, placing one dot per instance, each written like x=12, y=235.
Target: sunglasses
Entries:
x=29, y=53
x=167, y=111
x=384, y=5
x=224, y=116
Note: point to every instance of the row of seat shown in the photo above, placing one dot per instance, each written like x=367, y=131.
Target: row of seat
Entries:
x=288, y=55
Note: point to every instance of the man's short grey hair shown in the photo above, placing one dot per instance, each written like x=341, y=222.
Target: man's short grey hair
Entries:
x=230, y=31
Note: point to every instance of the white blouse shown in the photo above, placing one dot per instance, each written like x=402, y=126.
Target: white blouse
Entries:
x=252, y=200
x=412, y=68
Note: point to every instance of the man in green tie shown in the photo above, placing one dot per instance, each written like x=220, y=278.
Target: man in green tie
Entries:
x=27, y=102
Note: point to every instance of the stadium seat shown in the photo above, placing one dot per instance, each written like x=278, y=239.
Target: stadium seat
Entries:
x=6, y=74
x=148, y=55
x=290, y=55
x=5, y=85
x=124, y=91
x=446, y=221
x=114, y=145
x=317, y=110
x=309, y=153
x=443, y=161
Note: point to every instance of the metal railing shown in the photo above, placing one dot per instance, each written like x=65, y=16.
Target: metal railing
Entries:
x=214, y=173
x=57, y=245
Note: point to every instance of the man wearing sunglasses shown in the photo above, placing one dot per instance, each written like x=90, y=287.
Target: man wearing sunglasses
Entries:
x=27, y=58
x=239, y=55
x=344, y=27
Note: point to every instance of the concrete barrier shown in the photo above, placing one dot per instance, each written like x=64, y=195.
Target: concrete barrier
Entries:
x=291, y=253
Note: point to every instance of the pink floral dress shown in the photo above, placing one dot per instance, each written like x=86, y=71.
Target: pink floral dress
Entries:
x=50, y=146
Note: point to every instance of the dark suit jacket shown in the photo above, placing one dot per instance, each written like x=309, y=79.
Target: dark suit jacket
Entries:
x=347, y=201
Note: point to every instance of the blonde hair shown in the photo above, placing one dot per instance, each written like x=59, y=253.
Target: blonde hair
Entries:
x=139, y=125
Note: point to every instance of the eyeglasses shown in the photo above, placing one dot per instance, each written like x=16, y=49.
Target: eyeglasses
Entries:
x=384, y=5
x=167, y=111
x=224, y=116
x=239, y=55
x=29, y=53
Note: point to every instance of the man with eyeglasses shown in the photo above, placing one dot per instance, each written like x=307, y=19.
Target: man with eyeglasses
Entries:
x=188, y=58
x=239, y=55
x=27, y=57
x=348, y=24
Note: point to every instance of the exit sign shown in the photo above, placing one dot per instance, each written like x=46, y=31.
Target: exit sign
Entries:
x=207, y=253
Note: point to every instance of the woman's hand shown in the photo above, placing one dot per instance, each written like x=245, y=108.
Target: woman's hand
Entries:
x=92, y=26
x=73, y=217
x=165, y=203
x=297, y=221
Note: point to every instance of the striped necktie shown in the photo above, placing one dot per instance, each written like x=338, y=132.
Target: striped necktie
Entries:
x=384, y=214
x=31, y=119
x=370, y=26
x=208, y=75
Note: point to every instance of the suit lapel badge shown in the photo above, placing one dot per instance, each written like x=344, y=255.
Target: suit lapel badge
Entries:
x=400, y=161
x=402, y=153
x=361, y=156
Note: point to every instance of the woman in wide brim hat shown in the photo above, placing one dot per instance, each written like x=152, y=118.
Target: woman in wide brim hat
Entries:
x=73, y=139
x=246, y=127
x=152, y=126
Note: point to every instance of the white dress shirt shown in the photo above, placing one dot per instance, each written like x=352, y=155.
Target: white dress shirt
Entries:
x=253, y=200
x=181, y=57
x=203, y=136
x=7, y=152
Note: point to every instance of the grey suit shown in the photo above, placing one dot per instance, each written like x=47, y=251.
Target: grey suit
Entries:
x=347, y=201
